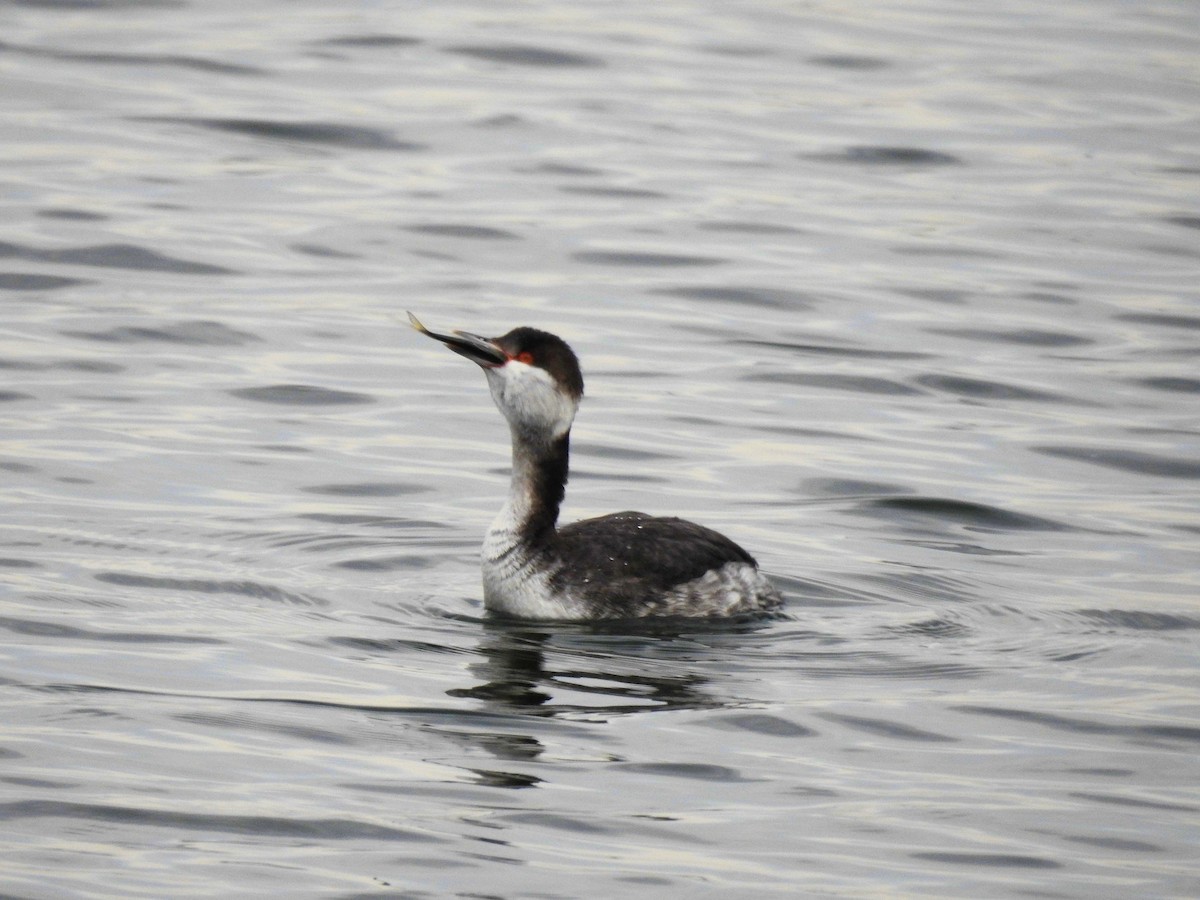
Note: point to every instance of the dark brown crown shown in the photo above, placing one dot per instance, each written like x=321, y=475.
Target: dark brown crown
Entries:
x=546, y=351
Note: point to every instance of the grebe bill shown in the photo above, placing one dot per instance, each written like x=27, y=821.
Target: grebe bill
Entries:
x=623, y=565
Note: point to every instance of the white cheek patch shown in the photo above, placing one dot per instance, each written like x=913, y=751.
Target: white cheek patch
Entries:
x=529, y=397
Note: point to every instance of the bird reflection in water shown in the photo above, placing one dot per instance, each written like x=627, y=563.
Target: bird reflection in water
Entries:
x=583, y=673
x=603, y=673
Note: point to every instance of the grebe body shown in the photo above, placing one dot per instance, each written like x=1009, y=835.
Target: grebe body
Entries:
x=622, y=565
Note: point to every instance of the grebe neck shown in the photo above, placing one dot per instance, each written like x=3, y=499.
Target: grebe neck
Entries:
x=539, y=478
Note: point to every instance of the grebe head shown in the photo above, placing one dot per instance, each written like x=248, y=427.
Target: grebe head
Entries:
x=533, y=375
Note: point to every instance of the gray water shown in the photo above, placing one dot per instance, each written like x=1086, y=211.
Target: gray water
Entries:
x=901, y=296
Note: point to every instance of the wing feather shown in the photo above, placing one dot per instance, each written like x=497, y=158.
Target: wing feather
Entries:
x=636, y=556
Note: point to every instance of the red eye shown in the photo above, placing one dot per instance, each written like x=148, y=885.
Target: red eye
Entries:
x=524, y=356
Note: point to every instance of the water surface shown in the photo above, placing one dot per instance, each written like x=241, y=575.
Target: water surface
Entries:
x=903, y=298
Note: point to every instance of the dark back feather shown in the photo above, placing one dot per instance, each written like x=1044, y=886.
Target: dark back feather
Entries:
x=635, y=556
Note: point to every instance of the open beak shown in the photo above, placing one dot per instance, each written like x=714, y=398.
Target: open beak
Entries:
x=478, y=350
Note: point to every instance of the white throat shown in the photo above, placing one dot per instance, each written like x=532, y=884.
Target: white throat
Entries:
x=534, y=405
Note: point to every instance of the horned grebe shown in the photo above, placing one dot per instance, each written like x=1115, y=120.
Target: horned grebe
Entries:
x=623, y=565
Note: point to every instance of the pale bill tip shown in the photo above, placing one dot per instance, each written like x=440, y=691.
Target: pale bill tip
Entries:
x=416, y=323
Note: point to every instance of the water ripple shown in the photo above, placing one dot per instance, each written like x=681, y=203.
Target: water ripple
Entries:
x=141, y=60
x=1003, y=860
x=1166, y=320
x=70, y=632
x=1174, y=384
x=850, y=62
x=1137, y=461
x=527, y=55
x=197, y=333
x=115, y=256
x=1140, y=620
x=469, y=232
x=758, y=723
x=691, y=771
x=888, y=729
x=614, y=193
x=1185, y=733
x=736, y=227
x=1135, y=802
x=208, y=586
x=987, y=389
x=1029, y=337
x=858, y=384
x=300, y=395
x=367, y=489
x=371, y=40
x=768, y=298
x=976, y=516
x=828, y=348
x=640, y=258
x=333, y=134
x=71, y=214
x=25, y=281
x=222, y=823
x=900, y=157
